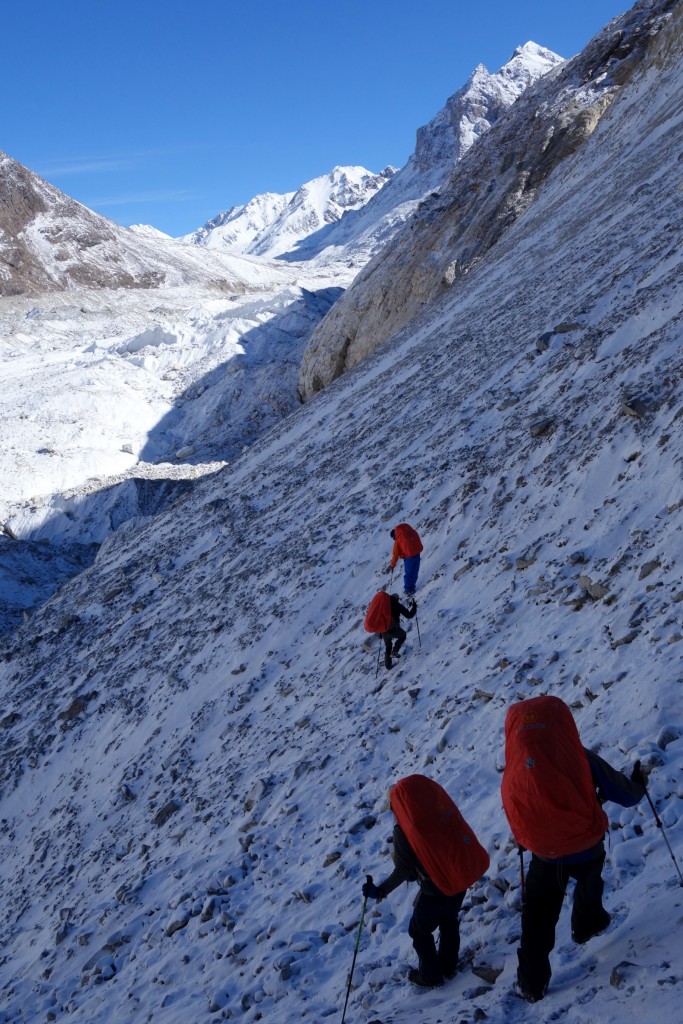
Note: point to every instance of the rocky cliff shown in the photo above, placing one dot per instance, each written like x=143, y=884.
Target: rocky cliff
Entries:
x=493, y=185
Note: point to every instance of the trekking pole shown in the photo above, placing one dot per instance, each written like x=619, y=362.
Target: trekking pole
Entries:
x=379, y=651
x=521, y=871
x=658, y=820
x=355, y=952
x=417, y=623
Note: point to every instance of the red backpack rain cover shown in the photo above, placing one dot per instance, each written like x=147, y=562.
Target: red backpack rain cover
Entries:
x=548, y=791
x=378, y=617
x=407, y=541
x=439, y=836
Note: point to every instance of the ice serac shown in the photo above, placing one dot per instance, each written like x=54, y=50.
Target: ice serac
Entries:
x=483, y=195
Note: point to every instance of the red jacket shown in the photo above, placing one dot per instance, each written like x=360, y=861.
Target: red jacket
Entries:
x=406, y=543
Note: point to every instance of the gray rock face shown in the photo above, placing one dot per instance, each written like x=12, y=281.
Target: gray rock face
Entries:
x=487, y=192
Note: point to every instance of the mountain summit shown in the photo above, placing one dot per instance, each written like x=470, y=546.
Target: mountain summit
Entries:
x=478, y=201
x=350, y=214
x=271, y=224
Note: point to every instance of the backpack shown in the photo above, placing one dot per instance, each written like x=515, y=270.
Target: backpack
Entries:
x=439, y=836
x=408, y=540
x=378, y=617
x=548, y=790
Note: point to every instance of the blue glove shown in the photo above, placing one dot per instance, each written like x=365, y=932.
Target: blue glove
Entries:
x=370, y=890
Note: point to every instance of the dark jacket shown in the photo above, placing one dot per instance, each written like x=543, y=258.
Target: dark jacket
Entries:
x=407, y=868
x=613, y=785
x=397, y=609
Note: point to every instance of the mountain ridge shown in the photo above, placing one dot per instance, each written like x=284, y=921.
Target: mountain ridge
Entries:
x=487, y=191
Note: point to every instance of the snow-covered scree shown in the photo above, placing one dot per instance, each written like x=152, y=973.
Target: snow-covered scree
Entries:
x=208, y=669
x=195, y=749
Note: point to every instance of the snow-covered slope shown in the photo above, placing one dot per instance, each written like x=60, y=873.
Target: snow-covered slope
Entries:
x=195, y=748
x=272, y=224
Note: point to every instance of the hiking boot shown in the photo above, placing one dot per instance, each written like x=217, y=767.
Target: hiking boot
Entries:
x=395, y=652
x=527, y=994
x=388, y=662
x=416, y=977
x=580, y=936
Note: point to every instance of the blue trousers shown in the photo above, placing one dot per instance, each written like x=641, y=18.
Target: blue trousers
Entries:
x=411, y=567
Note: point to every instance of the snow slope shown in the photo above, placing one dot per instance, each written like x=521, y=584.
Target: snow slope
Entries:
x=208, y=672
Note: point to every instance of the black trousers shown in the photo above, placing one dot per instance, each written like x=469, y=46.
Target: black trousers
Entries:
x=545, y=889
x=396, y=633
x=432, y=911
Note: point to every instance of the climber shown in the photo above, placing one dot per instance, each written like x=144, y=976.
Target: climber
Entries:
x=408, y=546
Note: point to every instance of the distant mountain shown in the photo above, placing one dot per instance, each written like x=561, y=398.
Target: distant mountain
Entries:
x=350, y=214
x=439, y=146
x=271, y=224
x=478, y=202
x=50, y=242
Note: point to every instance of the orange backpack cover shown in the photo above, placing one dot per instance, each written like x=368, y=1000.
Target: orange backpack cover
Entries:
x=439, y=836
x=407, y=542
x=378, y=617
x=548, y=791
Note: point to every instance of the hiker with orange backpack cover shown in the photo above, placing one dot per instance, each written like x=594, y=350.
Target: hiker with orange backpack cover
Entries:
x=408, y=546
x=396, y=632
x=553, y=790
x=434, y=846
x=384, y=618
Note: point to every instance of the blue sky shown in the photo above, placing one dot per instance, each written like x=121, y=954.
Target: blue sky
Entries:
x=166, y=112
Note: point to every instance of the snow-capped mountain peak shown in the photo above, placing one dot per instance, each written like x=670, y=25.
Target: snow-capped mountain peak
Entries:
x=271, y=224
